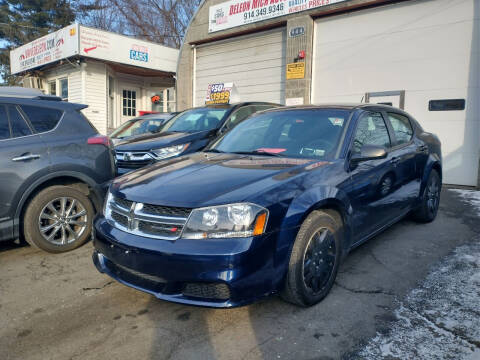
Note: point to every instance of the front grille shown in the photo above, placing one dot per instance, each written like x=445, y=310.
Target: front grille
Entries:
x=133, y=159
x=166, y=211
x=207, y=290
x=154, y=221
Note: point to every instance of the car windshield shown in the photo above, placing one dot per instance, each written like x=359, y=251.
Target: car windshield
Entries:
x=139, y=127
x=303, y=133
x=200, y=119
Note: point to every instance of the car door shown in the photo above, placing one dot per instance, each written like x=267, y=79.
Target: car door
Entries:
x=371, y=181
x=24, y=156
x=404, y=153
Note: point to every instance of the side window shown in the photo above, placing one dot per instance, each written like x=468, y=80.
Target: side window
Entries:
x=4, y=127
x=17, y=122
x=371, y=130
x=238, y=116
x=42, y=119
x=263, y=107
x=401, y=127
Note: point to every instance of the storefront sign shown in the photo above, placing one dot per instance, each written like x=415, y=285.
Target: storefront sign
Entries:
x=95, y=43
x=296, y=70
x=235, y=13
x=49, y=48
x=219, y=93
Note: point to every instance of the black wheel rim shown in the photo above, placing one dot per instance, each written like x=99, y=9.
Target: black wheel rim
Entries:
x=319, y=260
x=433, y=195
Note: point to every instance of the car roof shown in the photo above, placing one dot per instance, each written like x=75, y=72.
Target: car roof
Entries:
x=235, y=105
x=343, y=106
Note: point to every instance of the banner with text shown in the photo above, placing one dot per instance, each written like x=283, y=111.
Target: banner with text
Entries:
x=235, y=13
x=220, y=93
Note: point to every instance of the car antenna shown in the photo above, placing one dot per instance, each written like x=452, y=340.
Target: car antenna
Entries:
x=361, y=101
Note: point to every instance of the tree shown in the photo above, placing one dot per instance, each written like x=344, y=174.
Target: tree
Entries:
x=22, y=21
x=160, y=21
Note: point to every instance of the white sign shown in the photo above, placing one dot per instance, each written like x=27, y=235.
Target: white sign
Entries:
x=294, y=101
x=49, y=48
x=105, y=45
x=241, y=12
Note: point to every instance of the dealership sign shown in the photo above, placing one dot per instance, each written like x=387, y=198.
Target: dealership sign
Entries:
x=235, y=13
x=49, y=48
x=85, y=41
x=220, y=93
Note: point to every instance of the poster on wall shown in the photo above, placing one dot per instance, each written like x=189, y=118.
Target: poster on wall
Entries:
x=47, y=49
x=219, y=93
x=235, y=13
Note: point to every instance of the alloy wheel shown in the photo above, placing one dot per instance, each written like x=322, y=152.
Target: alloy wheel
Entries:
x=319, y=260
x=63, y=221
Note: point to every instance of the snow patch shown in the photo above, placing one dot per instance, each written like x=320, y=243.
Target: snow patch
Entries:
x=470, y=196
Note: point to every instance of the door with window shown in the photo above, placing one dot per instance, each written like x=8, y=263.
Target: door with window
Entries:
x=372, y=181
x=130, y=100
x=22, y=154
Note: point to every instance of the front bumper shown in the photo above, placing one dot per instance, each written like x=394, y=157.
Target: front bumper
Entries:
x=213, y=272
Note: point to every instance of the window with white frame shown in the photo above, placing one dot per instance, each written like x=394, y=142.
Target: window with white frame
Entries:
x=52, y=87
x=129, y=103
x=64, y=88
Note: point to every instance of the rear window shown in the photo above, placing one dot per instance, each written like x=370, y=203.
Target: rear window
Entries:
x=42, y=119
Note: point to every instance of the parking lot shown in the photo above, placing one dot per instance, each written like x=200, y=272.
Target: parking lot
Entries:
x=60, y=307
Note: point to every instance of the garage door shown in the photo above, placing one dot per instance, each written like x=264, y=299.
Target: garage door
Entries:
x=254, y=63
x=421, y=47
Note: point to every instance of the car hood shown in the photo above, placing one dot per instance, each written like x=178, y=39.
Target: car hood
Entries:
x=204, y=179
x=147, y=142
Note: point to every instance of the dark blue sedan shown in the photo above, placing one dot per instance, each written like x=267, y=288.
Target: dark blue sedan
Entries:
x=271, y=207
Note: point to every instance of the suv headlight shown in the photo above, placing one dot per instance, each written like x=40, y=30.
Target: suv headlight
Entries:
x=170, y=151
x=224, y=221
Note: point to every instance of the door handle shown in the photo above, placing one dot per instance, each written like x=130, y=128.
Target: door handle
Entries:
x=422, y=148
x=26, y=157
x=395, y=160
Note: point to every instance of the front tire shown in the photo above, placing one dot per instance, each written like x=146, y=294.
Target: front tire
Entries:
x=428, y=209
x=314, y=260
x=58, y=219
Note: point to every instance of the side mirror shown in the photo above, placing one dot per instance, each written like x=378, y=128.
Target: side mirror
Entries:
x=369, y=152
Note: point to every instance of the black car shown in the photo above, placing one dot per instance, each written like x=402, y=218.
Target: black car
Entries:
x=145, y=124
x=273, y=206
x=187, y=132
x=54, y=167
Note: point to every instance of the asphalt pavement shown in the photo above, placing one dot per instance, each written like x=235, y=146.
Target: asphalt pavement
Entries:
x=60, y=307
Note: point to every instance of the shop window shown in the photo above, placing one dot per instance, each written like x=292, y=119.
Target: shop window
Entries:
x=52, y=87
x=42, y=119
x=171, y=100
x=129, y=103
x=446, y=105
x=64, y=89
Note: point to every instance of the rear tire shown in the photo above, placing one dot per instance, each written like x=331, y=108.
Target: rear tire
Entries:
x=315, y=259
x=428, y=209
x=58, y=219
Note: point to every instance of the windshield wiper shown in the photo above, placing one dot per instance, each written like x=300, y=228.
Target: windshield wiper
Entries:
x=256, y=152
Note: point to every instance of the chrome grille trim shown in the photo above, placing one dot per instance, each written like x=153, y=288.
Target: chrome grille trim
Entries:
x=139, y=222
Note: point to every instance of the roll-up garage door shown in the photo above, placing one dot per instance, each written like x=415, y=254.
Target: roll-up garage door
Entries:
x=422, y=49
x=254, y=63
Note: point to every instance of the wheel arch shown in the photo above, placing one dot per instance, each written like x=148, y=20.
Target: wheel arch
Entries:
x=82, y=182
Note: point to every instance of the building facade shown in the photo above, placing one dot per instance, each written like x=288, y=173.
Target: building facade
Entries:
x=419, y=55
x=118, y=77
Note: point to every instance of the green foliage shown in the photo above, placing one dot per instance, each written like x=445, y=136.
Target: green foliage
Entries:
x=22, y=21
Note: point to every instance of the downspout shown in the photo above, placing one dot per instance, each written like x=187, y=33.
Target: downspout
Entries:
x=194, y=77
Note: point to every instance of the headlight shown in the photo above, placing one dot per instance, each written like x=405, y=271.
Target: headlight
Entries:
x=170, y=151
x=107, y=210
x=235, y=220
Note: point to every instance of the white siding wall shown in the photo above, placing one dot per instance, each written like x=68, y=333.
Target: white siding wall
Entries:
x=96, y=95
x=429, y=48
